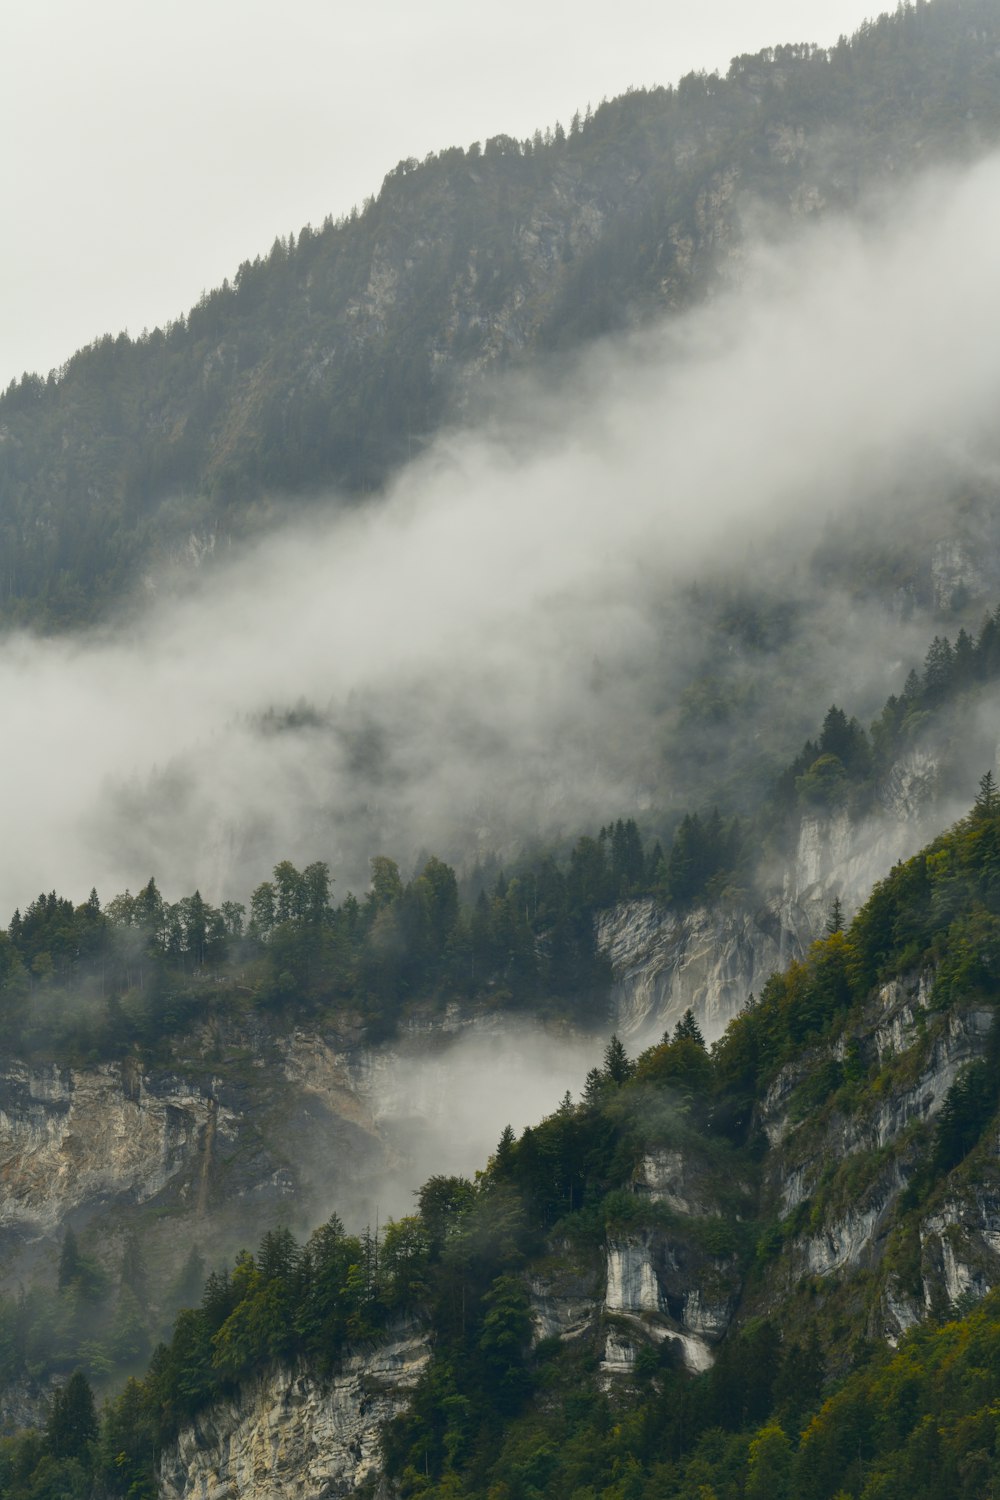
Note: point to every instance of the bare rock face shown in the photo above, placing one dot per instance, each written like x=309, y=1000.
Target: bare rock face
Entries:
x=72, y=1137
x=712, y=958
x=563, y=1302
x=201, y=1154
x=663, y=1282
x=660, y=1290
x=708, y=960
x=835, y=1179
x=667, y=1175
x=291, y=1435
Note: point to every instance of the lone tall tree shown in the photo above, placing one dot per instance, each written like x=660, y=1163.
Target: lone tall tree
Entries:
x=987, y=802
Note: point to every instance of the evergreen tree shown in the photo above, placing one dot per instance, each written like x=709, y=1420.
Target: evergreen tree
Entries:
x=987, y=801
x=72, y=1423
x=618, y=1067
x=503, y=1158
x=687, y=1029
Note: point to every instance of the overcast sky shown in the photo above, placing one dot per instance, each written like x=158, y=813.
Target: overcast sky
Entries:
x=151, y=148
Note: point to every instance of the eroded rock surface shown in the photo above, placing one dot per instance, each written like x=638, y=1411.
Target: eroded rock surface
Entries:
x=290, y=1436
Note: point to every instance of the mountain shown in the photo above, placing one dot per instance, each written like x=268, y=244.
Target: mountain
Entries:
x=745, y=1270
x=317, y=372
x=163, y=1059
x=756, y=1254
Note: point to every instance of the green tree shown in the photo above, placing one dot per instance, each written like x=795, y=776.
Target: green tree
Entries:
x=72, y=1424
x=687, y=1029
x=987, y=802
x=504, y=1342
x=618, y=1066
x=769, y=1466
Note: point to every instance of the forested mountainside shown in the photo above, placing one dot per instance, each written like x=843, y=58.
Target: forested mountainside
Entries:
x=161, y=1056
x=322, y=368
x=763, y=1269
x=755, y=1251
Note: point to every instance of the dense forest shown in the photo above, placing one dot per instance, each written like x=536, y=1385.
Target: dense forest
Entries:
x=126, y=980
x=802, y=1407
x=324, y=366
x=308, y=381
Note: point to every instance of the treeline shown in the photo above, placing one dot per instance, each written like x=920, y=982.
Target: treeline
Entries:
x=88, y=978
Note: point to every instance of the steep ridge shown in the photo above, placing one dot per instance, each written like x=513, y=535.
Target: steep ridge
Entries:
x=816, y=848
x=330, y=363
x=185, y=1140
x=814, y=1169
x=863, y=1202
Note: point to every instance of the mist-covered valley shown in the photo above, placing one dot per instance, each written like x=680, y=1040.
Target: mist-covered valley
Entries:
x=415, y=726
x=585, y=609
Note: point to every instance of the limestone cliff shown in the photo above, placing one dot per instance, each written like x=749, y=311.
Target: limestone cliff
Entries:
x=245, y=1129
x=292, y=1435
x=833, y=1183
x=713, y=957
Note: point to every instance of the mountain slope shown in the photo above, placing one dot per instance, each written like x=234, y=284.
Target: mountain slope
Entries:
x=673, y=1279
x=324, y=367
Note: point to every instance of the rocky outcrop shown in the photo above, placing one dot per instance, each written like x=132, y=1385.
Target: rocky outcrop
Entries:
x=632, y=1282
x=666, y=1175
x=563, y=1302
x=660, y=1284
x=195, y=1154
x=70, y=1138
x=836, y=1177
x=709, y=959
x=712, y=958
x=838, y=855
x=292, y=1435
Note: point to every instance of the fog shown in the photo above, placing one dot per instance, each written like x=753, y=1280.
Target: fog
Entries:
x=440, y=1107
x=496, y=648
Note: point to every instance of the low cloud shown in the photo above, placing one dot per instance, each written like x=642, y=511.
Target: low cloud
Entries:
x=440, y=1105
x=497, y=649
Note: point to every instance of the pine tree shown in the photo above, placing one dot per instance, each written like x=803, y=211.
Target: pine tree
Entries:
x=503, y=1158
x=618, y=1067
x=687, y=1029
x=987, y=800
x=72, y=1424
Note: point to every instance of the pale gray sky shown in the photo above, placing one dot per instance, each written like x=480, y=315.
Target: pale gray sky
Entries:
x=151, y=148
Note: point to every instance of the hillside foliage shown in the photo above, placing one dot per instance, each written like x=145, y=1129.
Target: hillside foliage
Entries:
x=780, y=1413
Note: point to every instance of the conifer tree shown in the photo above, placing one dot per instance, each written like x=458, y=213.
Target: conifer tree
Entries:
x=72, y=1424
x=687, y=1029
x=618, y=1067
x=987, y=798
